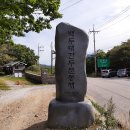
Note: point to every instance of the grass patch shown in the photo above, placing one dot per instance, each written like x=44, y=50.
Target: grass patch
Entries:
x=18, y=80
x=3, y=86
x=2, y=73
x=34, y=72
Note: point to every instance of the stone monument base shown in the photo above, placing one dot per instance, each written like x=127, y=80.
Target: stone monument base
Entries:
x=70, y=115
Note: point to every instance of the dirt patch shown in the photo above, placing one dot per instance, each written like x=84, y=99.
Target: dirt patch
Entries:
x=26, y=108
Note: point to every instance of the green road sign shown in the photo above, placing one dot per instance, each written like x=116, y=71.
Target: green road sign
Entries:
x=103, y=63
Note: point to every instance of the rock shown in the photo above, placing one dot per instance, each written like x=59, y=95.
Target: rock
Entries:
x=69, y=110
x=71, y=45
x=36, y=116
x=70, y=115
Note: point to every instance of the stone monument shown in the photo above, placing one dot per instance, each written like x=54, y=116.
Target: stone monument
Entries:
x=69, y=110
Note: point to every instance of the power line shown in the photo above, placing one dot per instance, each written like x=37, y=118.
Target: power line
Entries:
x=71, y=5
x=116, y=16
x=115, y=23
x=62, y=5
x=63, y=8
x=118, y=35
x=109, y=47
x=66, y=2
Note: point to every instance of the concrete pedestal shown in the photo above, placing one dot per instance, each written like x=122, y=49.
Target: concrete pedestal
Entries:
x=70, y=115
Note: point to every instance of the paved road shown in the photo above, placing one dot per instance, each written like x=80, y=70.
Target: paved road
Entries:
x=102, y=89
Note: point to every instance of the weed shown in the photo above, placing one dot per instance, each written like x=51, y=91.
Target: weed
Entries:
x=3, y=86
x=106, y=120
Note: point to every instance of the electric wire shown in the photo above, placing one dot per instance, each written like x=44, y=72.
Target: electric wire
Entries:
x=128, y=32
x=66, y=2
x=114, y=23
x=71, y=5
x=115, y=17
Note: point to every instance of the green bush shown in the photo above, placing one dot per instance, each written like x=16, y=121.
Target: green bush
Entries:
x=34, y=69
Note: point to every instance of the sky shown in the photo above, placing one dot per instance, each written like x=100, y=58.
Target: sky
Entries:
x=110, y=17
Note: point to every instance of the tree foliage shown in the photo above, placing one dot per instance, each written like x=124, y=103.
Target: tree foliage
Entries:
x=24, y=54
x=20, y=16
x=17, y=52
x=4, y=56
x=120, y=56
x=90, y=65
x=100, y=54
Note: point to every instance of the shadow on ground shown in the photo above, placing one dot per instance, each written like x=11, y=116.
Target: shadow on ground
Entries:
x=38, y=126
x=43, y=126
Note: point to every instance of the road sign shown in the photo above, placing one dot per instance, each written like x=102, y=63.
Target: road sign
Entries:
x=103, y=63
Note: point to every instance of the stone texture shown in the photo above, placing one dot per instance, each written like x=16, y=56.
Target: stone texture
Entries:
x=71, y=45
x=70, y=115
x=69, y=110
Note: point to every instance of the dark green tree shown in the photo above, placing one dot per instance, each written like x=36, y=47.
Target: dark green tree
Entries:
x=5, y=57
x=20, y=16
x=100, y=54
x=90, y=63
x=120, y=56
x=24, y=54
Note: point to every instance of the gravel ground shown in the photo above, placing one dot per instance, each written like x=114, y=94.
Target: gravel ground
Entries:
x=25, y=108
x=3, y=93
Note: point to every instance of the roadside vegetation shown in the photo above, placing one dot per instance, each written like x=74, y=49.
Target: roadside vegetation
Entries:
x=119, y=57
x=18, y=80
x=16, y=52
x=105, y=120
x=36, y=69
x=14, y=81
x=3, y=86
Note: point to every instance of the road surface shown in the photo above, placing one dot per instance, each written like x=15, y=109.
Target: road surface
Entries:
x=102, y=89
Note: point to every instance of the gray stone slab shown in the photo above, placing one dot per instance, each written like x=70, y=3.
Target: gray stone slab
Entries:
x=71, y=44
x=70, y=115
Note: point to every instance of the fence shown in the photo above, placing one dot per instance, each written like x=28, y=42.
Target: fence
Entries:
x=40, y=79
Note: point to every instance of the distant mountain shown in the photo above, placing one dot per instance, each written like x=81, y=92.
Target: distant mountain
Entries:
x=45, y=66
x=90, y=55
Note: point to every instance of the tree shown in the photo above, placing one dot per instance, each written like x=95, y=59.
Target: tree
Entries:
x=90, y=65
x=16, y=52
x=24, y=54
x=100, y=54
x=4, y=56
x=90, y=61
x=20, y=16
x=120, y=56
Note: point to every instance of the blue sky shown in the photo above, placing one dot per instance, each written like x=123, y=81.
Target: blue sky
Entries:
x=110, y=17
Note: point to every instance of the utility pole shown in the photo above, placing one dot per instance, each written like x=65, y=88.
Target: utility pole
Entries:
x=40, y=48
x=95, y=59
x=52, y=52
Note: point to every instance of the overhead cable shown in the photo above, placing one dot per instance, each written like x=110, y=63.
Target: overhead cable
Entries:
x=115, y=17
x=115, y=23
x=71, y=5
